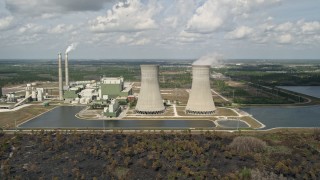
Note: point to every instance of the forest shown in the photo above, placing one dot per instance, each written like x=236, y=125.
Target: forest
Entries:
x=160, y=155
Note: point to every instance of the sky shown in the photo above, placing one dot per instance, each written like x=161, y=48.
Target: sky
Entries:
x=164, y=29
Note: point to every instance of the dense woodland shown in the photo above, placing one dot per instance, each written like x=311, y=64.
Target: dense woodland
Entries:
x=24, y=71
x=149, y=155
x=275, y=74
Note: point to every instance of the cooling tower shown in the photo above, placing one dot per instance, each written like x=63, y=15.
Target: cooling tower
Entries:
x=60, y=78
x=66, y=69
x=200, y=98
x=149, y=100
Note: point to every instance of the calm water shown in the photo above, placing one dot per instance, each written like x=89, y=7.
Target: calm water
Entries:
x=64, y=117
x=308, y=90
x=232, y=124
x=272, y=117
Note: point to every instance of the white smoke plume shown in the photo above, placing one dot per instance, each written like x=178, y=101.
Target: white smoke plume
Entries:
x=71, y=47
x=209, y=59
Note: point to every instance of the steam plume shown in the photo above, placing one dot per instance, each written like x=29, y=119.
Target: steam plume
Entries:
x=209, y=59
x=71, y=47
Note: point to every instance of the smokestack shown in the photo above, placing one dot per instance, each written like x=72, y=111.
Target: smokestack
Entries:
x=66, y=69
x=200, y=98
x=149, y=100
x=60, y=78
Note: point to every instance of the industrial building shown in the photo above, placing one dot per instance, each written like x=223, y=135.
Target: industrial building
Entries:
x=200, y=100
x=72, y=93
x=113, y=109
x=149, y=99
x=113, y=87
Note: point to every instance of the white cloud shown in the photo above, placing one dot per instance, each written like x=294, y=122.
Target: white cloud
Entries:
x=142, y=41
x=6, y=22
x=61, y=28
x=216, y=14
x=285, y=39
x=32, y=28
x=285, y=27
x=127, y=17
x=311, y=27
x=208, y=17
x=123, y=40
x=240, y=33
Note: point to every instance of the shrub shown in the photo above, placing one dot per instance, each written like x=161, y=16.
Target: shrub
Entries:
x=247, y=144
x=245, y=173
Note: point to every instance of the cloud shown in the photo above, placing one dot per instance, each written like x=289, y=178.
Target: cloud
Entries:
x=123, y=40
x=39, y=7
x=32, y=28
x=240, y=33
x=129, y=16
x=61, y=28
x=189, y=37
x=285, y=39
x=310, y=27
x=142, y=41
x=208, y=17
x=295, y=32
x=6, y=22
x=134, y=41
x=284, y=27
x=214, y=15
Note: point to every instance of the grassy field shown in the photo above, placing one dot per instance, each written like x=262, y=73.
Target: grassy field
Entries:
x=253, y=123
x=8, y=119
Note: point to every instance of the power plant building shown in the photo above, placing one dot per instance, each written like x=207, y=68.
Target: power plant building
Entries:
x=200, y=98
x=113, y=109
x=149, y=99
x=113, y=87
x=72, y=93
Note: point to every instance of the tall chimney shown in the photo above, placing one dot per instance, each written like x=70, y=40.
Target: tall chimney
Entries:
x=67, y=69
x=60, y=78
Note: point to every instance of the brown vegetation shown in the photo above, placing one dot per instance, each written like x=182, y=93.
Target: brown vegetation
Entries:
x=209, y=155
x=247, y=144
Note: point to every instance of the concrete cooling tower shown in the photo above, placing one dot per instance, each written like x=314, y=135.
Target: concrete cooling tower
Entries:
x=200, y=98
x=149, y=100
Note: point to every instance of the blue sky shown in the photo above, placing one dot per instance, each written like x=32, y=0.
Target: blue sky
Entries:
x=177, y=29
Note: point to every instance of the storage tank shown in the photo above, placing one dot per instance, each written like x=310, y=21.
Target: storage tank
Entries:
x=40, y=95
x=200, y=98
x=28, y=90
x=27, y=93
x=149, y=99
x=87, y=100
x=34, y=95
x=82, y=100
